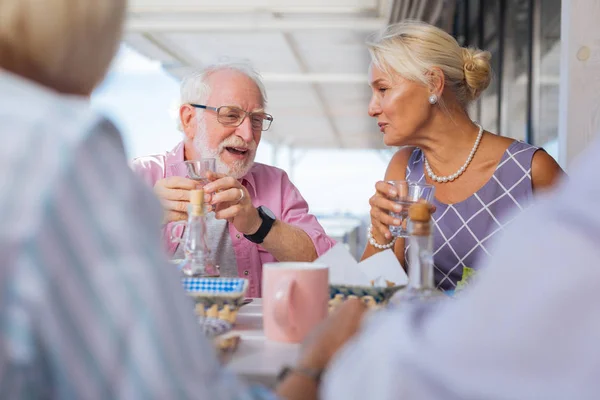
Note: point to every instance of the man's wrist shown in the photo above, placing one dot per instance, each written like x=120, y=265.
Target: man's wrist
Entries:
x=312, y=374
x=256, y=225
x=267, y=219
x=313, y=360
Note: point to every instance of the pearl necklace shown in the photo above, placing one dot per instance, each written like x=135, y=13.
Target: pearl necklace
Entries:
x=450, y=178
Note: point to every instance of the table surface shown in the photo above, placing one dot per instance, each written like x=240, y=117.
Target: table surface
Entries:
x=258, y=359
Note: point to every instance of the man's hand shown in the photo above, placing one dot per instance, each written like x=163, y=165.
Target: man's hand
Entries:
x=231, y=201
x=174, y=196
x=332, y=334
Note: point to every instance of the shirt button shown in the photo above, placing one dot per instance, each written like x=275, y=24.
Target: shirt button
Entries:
x=238, y=236
x=246, y=272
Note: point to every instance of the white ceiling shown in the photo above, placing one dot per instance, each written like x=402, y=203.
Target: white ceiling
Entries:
x=312, y=57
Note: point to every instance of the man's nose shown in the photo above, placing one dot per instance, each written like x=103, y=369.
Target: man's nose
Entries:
x=245, y=130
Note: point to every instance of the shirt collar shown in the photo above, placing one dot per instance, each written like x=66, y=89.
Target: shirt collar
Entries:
x=172, y=157
x=250, y=181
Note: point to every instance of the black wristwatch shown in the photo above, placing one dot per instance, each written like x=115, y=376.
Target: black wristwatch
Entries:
x=314, y=374
x=268, y=218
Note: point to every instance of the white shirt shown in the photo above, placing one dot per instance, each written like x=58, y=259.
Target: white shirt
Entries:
x=529, y=328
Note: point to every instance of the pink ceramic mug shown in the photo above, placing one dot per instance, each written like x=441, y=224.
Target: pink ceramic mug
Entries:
x=295, y=299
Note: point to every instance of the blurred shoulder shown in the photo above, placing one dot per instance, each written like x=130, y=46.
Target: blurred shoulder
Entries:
x=149, y=162
x=37, y=120
x=39, y=114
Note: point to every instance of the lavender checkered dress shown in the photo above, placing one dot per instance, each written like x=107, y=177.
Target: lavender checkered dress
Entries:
x=463, y=230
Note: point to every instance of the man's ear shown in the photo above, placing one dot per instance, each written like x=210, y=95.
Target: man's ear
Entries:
x=186, y=116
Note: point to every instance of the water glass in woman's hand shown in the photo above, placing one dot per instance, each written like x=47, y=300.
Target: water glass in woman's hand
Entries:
x=407, y=193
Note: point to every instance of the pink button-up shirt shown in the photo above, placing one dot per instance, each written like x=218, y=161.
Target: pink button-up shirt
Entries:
x=268, y=186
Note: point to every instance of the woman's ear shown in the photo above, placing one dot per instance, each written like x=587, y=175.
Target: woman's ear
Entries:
x=437, y=81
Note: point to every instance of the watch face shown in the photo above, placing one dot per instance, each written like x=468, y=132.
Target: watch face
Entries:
x=268, y=212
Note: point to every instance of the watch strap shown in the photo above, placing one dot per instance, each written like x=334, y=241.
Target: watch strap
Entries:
x=265, y=227
x=311, y=373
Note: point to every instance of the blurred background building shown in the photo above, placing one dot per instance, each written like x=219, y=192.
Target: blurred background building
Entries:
x=312, y=56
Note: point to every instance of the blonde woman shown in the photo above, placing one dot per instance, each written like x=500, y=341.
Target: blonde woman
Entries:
x=422, y=83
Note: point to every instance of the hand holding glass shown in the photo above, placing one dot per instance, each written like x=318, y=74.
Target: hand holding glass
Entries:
x=195, y=170
x=408, y=192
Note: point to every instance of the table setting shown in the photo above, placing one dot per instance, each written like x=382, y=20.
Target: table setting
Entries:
x=258, y=337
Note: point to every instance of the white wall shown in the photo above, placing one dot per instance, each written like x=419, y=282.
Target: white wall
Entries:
x=579, y=102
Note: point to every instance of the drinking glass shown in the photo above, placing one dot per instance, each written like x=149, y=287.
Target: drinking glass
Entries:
x=409, y=192
x=195, y=170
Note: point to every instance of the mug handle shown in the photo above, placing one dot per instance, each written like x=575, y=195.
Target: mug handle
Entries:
x=284, y=305
x=172, y=235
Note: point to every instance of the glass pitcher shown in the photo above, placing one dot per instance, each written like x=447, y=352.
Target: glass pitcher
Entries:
x=198, y=261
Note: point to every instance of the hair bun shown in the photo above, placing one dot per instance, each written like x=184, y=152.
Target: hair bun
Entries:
x=477, y=69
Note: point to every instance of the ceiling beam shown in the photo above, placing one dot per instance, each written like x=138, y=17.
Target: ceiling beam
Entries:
x=168, y=48
x=323, y=104
x=313, y=78
x=187, y=25
x=136, y=9
x=180, y=69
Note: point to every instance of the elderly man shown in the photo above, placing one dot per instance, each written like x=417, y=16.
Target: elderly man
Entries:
x=260, y=216
x=88, y=309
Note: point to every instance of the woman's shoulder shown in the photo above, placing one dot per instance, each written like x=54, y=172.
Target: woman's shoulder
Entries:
x=545, y=171
x=504, y=149
x=504, y=142
x=396, y=169
x=509, y=144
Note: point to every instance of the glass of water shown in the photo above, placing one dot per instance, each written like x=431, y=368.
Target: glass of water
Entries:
x=408, y=193
x=195, y=170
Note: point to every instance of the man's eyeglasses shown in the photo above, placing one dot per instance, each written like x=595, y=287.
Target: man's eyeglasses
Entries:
x=234, y=116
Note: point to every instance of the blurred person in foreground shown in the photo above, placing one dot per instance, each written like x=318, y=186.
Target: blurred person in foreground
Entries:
x=527, y=328
x=422, y=83
x=259, y=215
x=89, y=308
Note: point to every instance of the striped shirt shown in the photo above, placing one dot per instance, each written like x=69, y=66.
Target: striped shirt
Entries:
x=89, y=309
x=527, y=329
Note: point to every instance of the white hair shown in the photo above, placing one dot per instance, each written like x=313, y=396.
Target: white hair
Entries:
x=66, y=45
x=195, y=88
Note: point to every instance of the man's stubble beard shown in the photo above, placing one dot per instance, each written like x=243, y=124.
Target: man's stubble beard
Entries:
x=237, y=169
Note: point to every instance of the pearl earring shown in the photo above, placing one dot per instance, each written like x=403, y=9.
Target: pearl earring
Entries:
x=433, y=99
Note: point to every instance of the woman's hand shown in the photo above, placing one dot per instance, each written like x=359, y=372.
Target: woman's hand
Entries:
x=382, y=203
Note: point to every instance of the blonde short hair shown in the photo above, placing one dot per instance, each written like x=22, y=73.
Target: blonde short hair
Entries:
x=66, y=45
x=412, y=49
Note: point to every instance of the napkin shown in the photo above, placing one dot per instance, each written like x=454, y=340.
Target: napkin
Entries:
x=375, y=270
x=384, y=266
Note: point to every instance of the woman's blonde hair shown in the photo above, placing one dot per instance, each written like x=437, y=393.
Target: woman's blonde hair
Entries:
x=63, y=44
x=412, y=49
